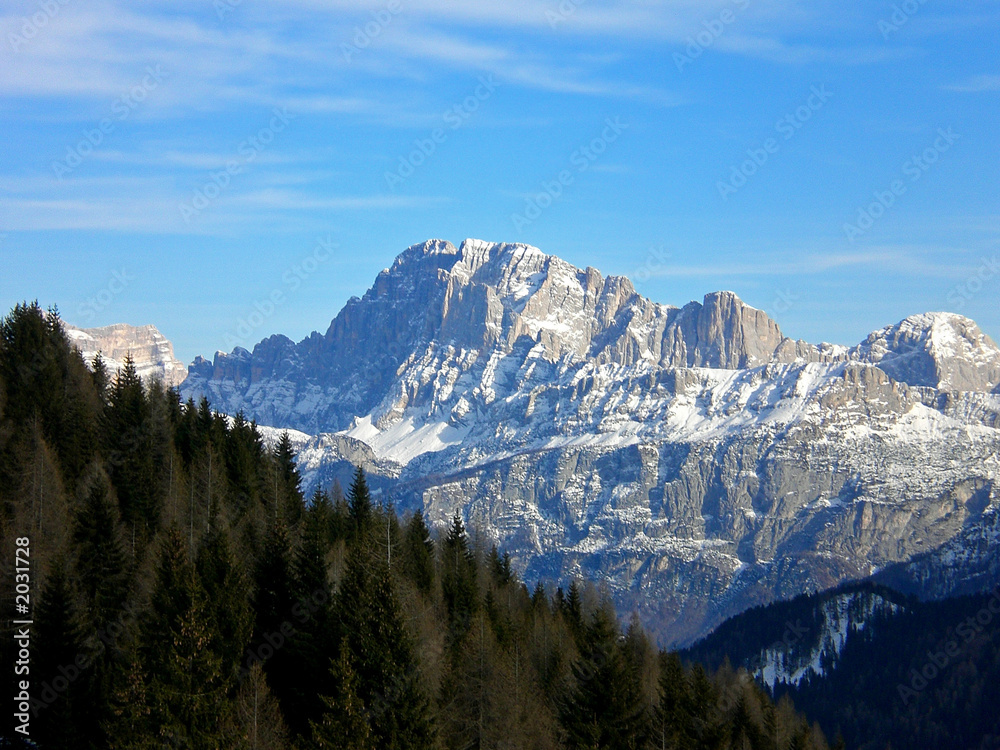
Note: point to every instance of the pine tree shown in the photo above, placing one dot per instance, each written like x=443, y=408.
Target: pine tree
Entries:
x=186, y=686
x=312, y=645
x=227, y=592
x=289, y=480
x=131, y=724
x=418, y=553
x=458, y=577
x=672, y=719
x=388, y=675
x=100, y=556
x=604, y=706
x=344, y=725
x=273, y=604
x=47, y=385
x=100, y=375
x=573, y=609
x=128, y=440
x=359, y=503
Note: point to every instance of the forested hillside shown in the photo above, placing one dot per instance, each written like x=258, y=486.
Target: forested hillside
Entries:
x=185, y=595
x=909, y=675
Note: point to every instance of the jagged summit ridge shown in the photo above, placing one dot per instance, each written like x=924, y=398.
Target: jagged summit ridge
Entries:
x=483, y=299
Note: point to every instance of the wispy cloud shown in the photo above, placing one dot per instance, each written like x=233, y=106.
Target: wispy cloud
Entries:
x=977, y=84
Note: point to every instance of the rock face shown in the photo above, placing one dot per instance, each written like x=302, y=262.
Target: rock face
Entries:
x=694, y=458
x=152, y=353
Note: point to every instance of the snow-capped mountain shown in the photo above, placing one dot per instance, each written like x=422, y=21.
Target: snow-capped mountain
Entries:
x=151, y=352
x=694, y=458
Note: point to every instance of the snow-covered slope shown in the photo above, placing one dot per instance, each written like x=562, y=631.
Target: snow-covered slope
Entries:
x=694, y=458
x=814, y=651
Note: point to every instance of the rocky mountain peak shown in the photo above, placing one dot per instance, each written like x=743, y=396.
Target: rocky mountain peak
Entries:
x=695, y=458
x=151, y=351
x=937, y=350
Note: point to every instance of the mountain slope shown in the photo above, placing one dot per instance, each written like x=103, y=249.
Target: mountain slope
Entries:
x=694, y=458
x=875, y=665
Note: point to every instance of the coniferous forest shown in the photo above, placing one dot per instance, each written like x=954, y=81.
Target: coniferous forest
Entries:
x=184, y=594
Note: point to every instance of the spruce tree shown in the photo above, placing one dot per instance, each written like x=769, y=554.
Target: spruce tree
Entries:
x=289, y=480
x=187, y=687
x=312, y=645
x=418, y=553
x=672, y=726
x=227, y=591
x=604, y=706
x=388, y=674
x=458, y=579
x=359, y=503
x=273, y=604
x=129, y=453
x=344, y=725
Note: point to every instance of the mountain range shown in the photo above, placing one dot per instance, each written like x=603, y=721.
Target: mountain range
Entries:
x=695, y=460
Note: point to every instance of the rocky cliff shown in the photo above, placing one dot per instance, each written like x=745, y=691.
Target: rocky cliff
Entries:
x=694, y=458
x=152, y=353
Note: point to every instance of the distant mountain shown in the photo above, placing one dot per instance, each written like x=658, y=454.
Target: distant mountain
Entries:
x=695, y=459
x=878, y=667
x=152, y=353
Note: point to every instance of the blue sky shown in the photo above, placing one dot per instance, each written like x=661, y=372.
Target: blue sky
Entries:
x=179, y=163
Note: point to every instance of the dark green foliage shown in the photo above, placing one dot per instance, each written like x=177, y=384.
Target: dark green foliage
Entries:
x=101, y=570
x=344, y=725
x=371, y=627
x=182, y=665
x=289, y=482
x=313, y=641
x=604, y=707
x=359, y=503
x=458, y=579
x=227, y=591
x=131, y=451
x=47, y=389
x=418, y=553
